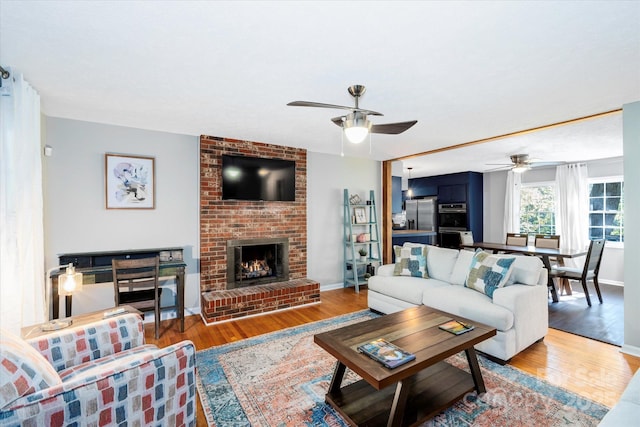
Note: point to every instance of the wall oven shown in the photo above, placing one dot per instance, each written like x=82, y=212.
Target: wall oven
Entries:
x=452, y=219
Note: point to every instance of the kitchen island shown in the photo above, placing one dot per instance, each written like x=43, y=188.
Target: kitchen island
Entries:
x=398, y=237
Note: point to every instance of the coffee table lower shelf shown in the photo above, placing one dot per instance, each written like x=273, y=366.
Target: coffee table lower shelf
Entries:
x=432, y=390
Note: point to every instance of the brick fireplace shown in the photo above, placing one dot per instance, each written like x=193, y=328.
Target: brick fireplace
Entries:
x=224, y=221
x=252, y=262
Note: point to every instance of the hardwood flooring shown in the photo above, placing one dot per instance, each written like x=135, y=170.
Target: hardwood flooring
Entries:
x=602, y=322
x=592, y=369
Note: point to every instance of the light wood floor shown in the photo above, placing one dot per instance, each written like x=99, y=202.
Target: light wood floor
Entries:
x=589, y=368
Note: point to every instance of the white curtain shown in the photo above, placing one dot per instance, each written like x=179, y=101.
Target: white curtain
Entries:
x=572, y=205
x=512, y=203
x=22, y=293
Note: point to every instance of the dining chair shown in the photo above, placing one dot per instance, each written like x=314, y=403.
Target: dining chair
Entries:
x=517, y=239
x=135, y=284
x=551, y=241
x=588, y=272
x=466, y=238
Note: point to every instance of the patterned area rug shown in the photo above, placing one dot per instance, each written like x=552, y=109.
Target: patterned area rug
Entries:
x=280, y=379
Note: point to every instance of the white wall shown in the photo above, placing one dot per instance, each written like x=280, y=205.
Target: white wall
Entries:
x=631, y=138
x=611, y=270
x=76, y=219
x=327, y=177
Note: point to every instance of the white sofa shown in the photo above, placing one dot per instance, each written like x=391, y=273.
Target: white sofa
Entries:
x=627, y=411
x=518, y=310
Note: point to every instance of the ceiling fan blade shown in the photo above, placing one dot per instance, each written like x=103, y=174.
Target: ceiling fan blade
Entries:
x=505, y=167
x=341, y=107
x=542, y=164
x=393, y=128
x=338, y=120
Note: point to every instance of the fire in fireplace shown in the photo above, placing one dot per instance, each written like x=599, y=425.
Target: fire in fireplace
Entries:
x=257, y=261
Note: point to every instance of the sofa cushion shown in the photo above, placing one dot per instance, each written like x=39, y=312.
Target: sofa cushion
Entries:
x=464, y=302
x=488, y=272
x=526, y=270
x=440, y=262
x=461, y=268
x=410, y=261
x=22, y=369
x=408, y=289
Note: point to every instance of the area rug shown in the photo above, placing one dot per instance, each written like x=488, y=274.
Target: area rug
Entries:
x=280, y=379
x=602, y=322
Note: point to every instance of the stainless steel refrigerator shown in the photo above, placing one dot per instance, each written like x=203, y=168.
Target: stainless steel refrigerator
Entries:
x=422, y=213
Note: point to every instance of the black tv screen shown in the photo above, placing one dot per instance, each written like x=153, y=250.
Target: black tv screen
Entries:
x=254, y=178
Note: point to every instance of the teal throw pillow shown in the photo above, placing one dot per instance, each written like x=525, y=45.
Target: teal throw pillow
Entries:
x=488, y=272
x=410, y=261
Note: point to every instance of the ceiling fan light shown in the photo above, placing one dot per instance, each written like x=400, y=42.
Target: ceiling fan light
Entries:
x=520, y=168
x=356, y=127
x=356, y=135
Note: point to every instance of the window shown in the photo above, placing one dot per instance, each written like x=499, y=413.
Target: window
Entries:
x=606, y=205
x=537, y=208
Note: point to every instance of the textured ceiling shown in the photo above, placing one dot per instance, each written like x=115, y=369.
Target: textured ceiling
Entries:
x=465, y=70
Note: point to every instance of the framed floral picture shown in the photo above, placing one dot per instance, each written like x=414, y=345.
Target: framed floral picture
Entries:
x=129, y=182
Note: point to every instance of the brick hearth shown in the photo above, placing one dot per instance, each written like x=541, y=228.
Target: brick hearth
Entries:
x=223, y=220
x=232, y=304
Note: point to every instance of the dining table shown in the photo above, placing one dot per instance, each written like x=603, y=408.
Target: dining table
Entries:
x=545, y=255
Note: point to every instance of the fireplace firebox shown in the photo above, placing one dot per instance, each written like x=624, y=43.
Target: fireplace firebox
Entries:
x=257, y=261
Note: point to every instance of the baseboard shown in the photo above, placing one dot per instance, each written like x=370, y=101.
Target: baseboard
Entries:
x=610, y=282
x=331, y=286
x=630, y=349
x=170, y=314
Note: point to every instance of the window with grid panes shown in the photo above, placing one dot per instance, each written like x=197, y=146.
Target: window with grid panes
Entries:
x=606, y=216
x=537, y=209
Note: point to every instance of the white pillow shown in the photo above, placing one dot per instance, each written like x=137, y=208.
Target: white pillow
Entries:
x=526, y=269
x=461, y=268
x=440, y=262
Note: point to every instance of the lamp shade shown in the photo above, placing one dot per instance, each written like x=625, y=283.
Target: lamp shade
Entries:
x=356, y=127
x=70, y=281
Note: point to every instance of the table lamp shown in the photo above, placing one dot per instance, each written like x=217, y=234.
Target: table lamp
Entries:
x=68, y=283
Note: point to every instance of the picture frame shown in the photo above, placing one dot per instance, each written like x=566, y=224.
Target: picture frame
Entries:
x=360, y=215
x=129, y=181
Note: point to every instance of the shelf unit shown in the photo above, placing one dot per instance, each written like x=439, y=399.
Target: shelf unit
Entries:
x=355, y=268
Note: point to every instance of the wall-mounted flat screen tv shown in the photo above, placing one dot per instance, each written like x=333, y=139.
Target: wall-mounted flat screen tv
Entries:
x=254, y=178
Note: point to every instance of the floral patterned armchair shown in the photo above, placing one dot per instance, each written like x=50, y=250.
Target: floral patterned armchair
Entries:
x=98, y=374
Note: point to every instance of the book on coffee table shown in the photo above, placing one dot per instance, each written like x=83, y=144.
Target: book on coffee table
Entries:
x=386, y=353
x=456, y=327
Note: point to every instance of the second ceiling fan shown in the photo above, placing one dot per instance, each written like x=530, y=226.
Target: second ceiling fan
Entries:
x=521, y=163
x=356, y=125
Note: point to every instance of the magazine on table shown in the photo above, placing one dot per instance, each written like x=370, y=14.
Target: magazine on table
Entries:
x=456, y=327
x=386, y=353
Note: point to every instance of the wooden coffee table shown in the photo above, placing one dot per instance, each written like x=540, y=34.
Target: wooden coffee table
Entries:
x=423, y=387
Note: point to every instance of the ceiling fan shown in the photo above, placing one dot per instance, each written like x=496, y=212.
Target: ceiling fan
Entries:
x=356, y=125
x=521, y=163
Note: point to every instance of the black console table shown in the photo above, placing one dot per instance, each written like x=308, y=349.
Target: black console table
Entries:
x=96, y=268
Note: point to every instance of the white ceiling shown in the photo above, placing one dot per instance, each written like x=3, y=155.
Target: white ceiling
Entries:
x=465, y=70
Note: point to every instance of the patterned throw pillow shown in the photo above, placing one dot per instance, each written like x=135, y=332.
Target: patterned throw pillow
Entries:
x=22, y=369
x=411, y=261
x=488, y=273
